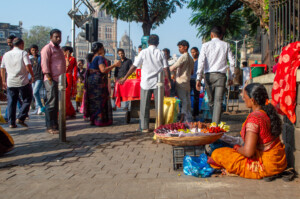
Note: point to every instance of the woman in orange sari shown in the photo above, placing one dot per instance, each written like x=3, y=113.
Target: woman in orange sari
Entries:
x=262, y=154
x=71, y=74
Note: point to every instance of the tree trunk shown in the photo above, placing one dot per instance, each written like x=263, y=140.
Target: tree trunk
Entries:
x=147, y=28
x=258, y=8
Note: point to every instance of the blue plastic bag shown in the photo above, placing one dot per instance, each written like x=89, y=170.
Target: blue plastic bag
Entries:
x=197, y=166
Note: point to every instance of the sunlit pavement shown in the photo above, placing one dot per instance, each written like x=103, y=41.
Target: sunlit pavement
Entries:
x=114, y=162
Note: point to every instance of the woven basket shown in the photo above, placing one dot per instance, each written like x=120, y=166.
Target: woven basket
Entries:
x=190, y=141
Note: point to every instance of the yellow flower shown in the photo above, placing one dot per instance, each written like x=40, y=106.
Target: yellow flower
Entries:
x=213, y=124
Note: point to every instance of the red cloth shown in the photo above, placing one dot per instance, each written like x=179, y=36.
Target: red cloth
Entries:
x=129, y=91
x=258, y=122
x=71, y=75
x=284, y=86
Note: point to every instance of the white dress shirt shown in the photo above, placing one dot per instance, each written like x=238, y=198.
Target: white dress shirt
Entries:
x=153, y=61
x=213, y=58
x=15, y=62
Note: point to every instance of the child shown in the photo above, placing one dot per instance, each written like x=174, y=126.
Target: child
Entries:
x=184, y=67
x=80, y=86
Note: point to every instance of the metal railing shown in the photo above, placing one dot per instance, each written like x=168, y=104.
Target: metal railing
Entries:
x=283, y=23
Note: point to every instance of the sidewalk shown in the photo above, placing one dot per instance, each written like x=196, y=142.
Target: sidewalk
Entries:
x=114, y=162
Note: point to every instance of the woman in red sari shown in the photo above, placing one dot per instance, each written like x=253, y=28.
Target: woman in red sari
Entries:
x=71, y=74
x=262, y=154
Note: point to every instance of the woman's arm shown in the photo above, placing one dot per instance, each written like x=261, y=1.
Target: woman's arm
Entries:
x=248, y=150
x=104, y=69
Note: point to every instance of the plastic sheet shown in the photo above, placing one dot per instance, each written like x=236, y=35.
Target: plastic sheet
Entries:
x=197, y=166
x=171, y=109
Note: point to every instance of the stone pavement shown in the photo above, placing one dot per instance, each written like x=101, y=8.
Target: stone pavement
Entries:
x=114, y=162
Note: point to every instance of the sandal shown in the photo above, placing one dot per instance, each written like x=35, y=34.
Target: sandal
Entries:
x=52, y=131
x=271, y=178
x=288, y=174
x=13, y=126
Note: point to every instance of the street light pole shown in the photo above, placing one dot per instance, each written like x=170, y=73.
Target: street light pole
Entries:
x=73, y=30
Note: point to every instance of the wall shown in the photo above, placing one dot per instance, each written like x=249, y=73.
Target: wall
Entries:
x=290, y=132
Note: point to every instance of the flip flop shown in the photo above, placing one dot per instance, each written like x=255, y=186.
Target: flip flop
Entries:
x=288, y=174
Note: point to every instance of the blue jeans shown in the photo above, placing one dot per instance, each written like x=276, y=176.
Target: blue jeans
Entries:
x=12, y=98
x=19, y=105
x=36, y=86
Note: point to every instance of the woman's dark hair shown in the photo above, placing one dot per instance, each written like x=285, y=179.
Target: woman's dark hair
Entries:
x=96, y=47
x=259, y=93
x=67, y=48
x=89, y=57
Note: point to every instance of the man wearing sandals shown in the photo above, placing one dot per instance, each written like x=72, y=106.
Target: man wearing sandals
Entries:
x=53, y=65
x=17, y=65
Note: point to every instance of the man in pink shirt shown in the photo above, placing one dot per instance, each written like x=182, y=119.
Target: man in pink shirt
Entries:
x=53, y=65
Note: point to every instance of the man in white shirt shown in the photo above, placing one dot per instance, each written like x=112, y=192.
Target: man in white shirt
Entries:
x=153, y=61
x=213, y=64
x=17, y=65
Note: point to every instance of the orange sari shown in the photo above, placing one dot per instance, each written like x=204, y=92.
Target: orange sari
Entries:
x=269, y=158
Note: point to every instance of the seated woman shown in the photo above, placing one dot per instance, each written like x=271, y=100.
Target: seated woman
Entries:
x=262, y=154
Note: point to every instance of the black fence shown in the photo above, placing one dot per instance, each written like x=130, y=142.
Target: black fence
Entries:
x=284, y=23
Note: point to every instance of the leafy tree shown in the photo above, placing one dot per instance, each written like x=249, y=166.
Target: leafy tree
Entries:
x=151, y=13
x=261, y=10
x=209, y=13
x=38, y=35
x=235, y=19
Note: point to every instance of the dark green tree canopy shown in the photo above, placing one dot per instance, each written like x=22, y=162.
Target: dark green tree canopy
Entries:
x=39, y=35
x=151, y=13
x=210, y=13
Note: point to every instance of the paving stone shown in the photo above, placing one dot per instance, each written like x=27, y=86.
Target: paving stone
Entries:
x=113, y=162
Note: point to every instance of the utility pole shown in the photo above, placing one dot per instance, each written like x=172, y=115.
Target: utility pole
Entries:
x=73, y=30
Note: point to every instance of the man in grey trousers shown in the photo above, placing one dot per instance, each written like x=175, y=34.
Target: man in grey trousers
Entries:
x=212, y=63
x=153, y=62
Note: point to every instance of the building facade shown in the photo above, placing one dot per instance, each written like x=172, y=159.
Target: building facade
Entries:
x=107, y=34
x=6, y=30
x=126, y=44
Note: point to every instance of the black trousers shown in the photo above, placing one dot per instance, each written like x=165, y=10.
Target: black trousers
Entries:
x=196, y=98
x=12, y=97
x=51, y=106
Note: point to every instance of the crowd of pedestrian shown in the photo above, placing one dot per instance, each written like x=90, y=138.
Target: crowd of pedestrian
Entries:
x=25, y=73
x=91, y=86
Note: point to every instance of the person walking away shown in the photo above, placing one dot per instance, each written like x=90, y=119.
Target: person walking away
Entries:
x=212, y=63
x=153, y=61
x=97, y=103
x=38, y=79
x=53, y=65
x=9, y=42
x=17, y=65
x=79, y=95
x=195, y=55
x=184, y=67
x=71, y=74
x=122, y=71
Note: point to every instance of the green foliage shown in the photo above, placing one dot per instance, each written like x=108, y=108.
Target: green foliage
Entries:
x=151, y=13
x=38, y=35
x=231, y=15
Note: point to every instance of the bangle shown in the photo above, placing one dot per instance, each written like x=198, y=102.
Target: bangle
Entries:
x=236, y=147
